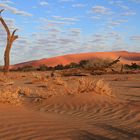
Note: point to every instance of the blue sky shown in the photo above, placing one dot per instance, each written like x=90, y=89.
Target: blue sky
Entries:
x=48, y=28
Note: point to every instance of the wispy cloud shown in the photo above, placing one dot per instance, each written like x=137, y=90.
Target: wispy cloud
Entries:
x=14, y=10
x=136, y=1
x=7, y=1
x=101, y=10
x=117, y=22
x=54, y=23
x=44, y=3
x=78, y=5
x=135, y=38
x=119, y=3
x=71, y=19
x=66, y=0
x=128, y=13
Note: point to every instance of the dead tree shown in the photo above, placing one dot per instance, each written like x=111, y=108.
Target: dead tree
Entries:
x=114, y=62
x=11, y=37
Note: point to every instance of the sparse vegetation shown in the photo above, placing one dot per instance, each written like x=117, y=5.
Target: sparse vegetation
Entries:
x=42, y=68
x=47, y=87
x=86, y=85
x=26, y=68
x=94, y=66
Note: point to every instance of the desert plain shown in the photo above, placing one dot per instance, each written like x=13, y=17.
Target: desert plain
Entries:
x=37, y=106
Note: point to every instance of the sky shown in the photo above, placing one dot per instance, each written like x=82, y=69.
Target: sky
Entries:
x=48, y=28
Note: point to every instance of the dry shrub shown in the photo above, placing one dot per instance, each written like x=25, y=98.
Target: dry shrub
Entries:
x=59, y=81
x=97, y=63
x=72, y=72
x=86, y=85
x=6, y=81
x=10, y=95
x=102, y=87
x=32, y=93
x=38, y=78
x=16, y=96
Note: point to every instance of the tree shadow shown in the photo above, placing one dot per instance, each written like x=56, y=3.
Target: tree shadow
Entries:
x=86, y=135
x=123, y=132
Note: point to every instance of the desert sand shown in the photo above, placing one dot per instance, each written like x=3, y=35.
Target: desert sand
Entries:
x=126, y=58
x=35, y=106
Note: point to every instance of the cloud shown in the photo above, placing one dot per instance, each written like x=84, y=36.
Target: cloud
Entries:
x=44, y=3
x=114, y=35
x=7, y=1
x=101, y=10
x=136, y=1
x=14, y=10
x=95, y=17
x=117, y=22
x=78, y=5
x=66, y=0
x=128, y=13
x=66, y=41
x=119, y=4
x=135, y=38
x=55, y=23
x=70, y=19
x=75, y=31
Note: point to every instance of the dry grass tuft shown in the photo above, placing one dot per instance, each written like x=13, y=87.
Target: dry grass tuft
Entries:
x=17, y=95
x=6, y=81
x=86, y=85
x=59, y=81
x=102, y=87
x=10, y=95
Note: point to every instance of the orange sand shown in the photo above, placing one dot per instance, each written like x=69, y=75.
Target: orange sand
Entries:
x=78, y=116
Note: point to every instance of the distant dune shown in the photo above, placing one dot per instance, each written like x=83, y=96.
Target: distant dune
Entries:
x=126, y=57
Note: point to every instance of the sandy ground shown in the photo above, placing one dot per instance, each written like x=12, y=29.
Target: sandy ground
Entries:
x=55, y=109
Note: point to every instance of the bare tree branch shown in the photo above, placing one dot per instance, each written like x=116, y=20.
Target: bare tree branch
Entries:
x=1, y=11
x=4, y=24
x=13, y=34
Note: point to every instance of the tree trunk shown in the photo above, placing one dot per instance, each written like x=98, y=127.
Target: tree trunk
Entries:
x=6, y=59
x=10, y=39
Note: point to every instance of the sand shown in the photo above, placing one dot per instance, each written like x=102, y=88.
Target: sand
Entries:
x=56, y=114
x=126, y=58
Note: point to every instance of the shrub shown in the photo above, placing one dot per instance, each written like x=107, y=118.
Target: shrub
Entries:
x=96, y=64
x=86, y=85
x=42, y=68
x=10, y=95
x=26, y=68
x=133, y=66
x=82, y=63
x=59, y=67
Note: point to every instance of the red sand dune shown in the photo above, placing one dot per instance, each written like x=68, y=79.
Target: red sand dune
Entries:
x=126, y=57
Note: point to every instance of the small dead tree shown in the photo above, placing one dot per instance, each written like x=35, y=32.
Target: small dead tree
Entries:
x=114, y=62
x=11, y=37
